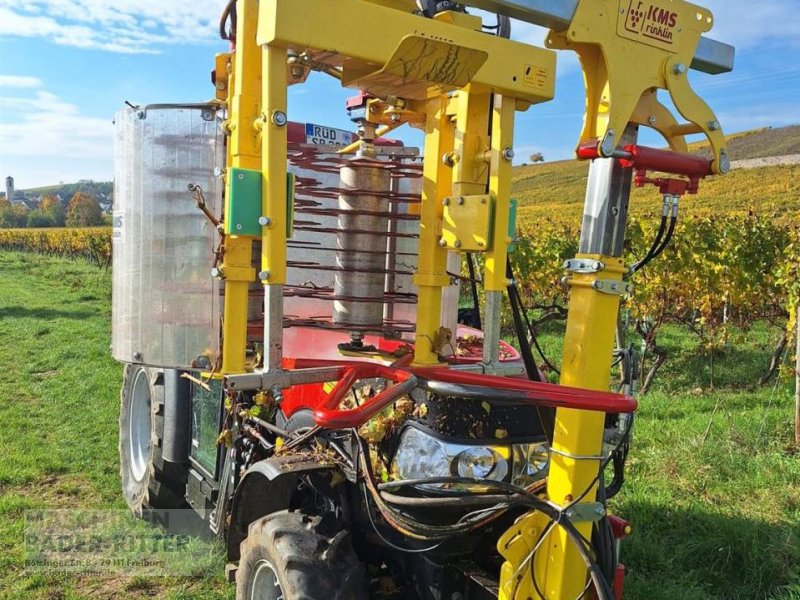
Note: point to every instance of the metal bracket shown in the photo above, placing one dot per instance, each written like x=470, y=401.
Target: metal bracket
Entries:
x=588, y=512
x=584, y=265
x=613, y=286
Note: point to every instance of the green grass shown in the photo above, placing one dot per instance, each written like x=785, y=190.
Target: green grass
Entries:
x=713, y=486
x=59, y=398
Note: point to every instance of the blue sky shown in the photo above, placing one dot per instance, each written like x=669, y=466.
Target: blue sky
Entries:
x=67, y=65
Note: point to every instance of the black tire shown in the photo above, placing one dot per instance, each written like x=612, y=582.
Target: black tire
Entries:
x=148, y=481
x=307, y=558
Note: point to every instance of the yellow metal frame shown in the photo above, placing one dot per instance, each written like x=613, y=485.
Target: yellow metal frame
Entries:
x=663, y=36
x=467, y=113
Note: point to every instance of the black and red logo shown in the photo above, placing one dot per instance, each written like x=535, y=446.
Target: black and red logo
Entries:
x=651, y=20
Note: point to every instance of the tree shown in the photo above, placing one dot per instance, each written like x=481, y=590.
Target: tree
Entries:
x=12, y=216
x=83, y=211
x=536, y=157
x=53, y=209
x=39, y=218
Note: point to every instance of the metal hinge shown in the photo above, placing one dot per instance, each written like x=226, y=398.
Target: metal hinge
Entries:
x=586, y=513
x=613, y=286
x=584, y=265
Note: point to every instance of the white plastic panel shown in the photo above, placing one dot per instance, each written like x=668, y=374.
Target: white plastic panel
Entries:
x=166, y=304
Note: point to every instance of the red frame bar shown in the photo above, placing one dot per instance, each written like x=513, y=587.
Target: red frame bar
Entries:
x=329, y=415
x=674, y=163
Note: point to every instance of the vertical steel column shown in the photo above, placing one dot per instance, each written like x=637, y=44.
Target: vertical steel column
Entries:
x=431, y=275
x=273, y=201
x=244, y=151
x=588, y=346
x=495, y=280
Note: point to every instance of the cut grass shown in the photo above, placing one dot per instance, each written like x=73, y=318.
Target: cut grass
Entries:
x=715, y=501
x=59, y=398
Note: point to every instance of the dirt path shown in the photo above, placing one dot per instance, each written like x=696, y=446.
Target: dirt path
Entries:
x=768, y=161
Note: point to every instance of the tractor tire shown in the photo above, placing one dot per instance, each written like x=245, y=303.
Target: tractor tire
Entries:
x=148, y=481
x=289, y=555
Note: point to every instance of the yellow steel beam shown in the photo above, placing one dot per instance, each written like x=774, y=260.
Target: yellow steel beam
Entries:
x=511, y=68
x=243, y=151
x=431, y=274
x=662, y=36
x=273, y=166
x=495, y=279
x=588, y=345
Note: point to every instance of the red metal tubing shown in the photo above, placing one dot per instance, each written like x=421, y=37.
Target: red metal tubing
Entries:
x=653, y=159
x=675, y=163
x=331, y=417
x=539, y=394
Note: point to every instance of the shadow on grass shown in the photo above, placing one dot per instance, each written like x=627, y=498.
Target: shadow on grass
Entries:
x=701, y=555
x=20, y=312
x=736, y=365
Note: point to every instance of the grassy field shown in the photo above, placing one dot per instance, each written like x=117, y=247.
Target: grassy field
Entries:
x=59, y=398
x=558, y=188
x=713, y=486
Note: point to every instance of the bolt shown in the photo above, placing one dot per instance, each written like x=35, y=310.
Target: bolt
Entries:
x=679, y=69
x=395, y=118
x=279, y=118
x=724, y=162
x=460, y=200
x=240, y=176
x=216, y=272
x=140, y=114
x=297, y=71
x=483, y=200
x=622, y=11
x=264, y=275
x=457, y=244
x=607, y=147
x=713, y=125
x=218, y=172
x=599, y=511
x=651, y=119
x=508, y=153
x=442, y=242
x=449, y=159
x=481, y=244
x=238, y=227
x=264, y=221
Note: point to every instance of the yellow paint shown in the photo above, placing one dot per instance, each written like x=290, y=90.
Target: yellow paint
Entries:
x=494, y=278
x=273, y=165
x=466, y=223
x=431, y=274
x=325, y=25
x=663, y=36
x=244, y=91
x=588, y=345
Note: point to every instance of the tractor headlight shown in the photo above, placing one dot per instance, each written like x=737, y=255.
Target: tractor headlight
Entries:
x=420, y=455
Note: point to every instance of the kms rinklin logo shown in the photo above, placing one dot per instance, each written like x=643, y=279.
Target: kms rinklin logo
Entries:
x=651, y=20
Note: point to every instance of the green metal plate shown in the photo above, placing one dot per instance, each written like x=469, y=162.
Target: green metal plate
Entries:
x=244, y=205
x=512, y=222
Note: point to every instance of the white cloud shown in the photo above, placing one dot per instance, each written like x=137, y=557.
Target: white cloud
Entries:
x=746, y=24
x=19, y=81
x=45, y=126
x=124, y=26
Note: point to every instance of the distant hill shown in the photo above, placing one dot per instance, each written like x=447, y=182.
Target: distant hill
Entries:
x=66, y=190
x=557, y=189
x=760, y=143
